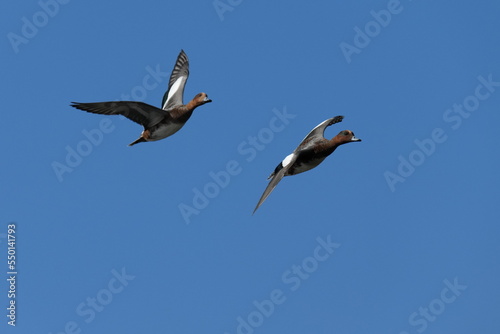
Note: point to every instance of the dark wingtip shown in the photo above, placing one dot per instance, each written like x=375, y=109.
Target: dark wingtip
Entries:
x=76, y=105
x=336, y=119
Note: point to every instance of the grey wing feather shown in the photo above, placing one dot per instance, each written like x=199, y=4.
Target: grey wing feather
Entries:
x=139, y=112
x=274, y=182
x=174, y=95
x=318, y=132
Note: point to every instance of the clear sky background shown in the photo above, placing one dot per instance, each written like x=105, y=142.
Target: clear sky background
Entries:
x=396, y=234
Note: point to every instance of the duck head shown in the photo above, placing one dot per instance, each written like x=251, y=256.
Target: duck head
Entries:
x=200, y=99
x=346, y=136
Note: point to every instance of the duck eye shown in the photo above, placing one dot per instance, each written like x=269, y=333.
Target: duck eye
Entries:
x=345, y=133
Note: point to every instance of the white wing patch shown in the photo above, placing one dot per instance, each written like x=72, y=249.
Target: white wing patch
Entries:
x=175, y=87
x=287, y=160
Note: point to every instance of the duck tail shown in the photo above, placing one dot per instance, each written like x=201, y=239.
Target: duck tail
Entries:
x=140, y=140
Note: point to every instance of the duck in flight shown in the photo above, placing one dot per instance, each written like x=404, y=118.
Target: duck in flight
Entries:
x=157, y=123
x=309, y=154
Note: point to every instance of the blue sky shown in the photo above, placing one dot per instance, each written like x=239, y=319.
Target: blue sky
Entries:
x=396, y=234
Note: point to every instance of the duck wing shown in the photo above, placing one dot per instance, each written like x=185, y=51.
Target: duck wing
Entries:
x=139, y=112
x=174, y=95
x=318, y=133
x=276, y=177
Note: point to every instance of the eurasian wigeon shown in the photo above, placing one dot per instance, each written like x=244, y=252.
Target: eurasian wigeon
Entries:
x=309, y=154
x=158, y=123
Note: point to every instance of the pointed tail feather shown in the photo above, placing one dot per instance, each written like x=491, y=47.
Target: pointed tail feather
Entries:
x=140, y=140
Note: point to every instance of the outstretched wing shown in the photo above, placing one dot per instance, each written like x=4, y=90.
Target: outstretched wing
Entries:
x=276, y=178
x=178, y=78
x=317, y=133
x=139, y=112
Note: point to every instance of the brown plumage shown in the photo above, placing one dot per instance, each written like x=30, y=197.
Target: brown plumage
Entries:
x=309, y=154
x=158, y=123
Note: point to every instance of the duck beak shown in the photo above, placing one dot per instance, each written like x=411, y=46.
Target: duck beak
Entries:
x=207, y=100
x=355, y=139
